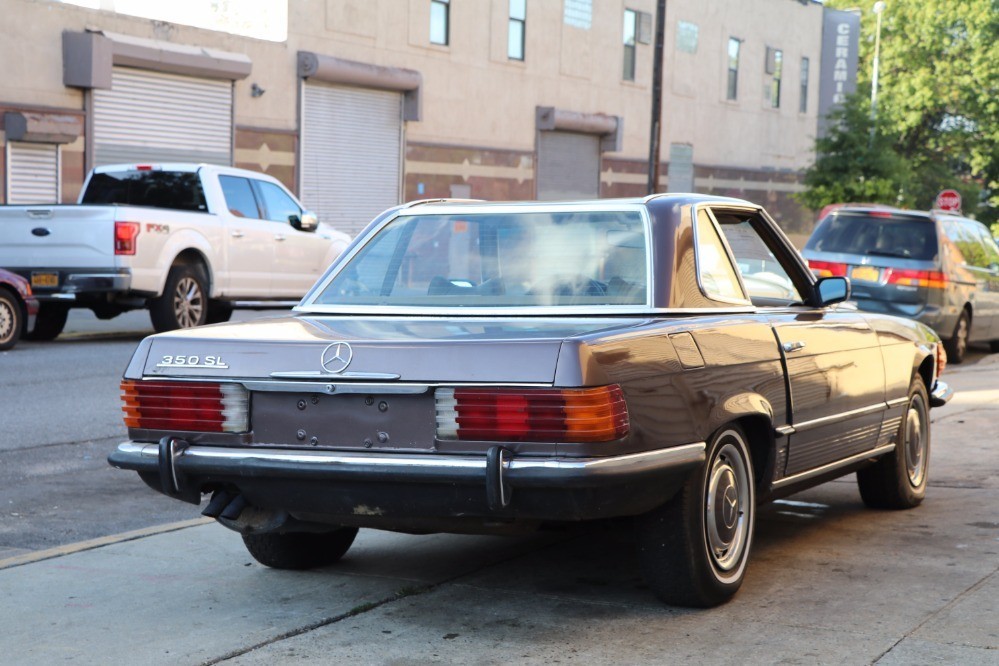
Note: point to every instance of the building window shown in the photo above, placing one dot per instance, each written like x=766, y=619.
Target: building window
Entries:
x=686, y=37
x=630, y=27
x=439, y=20
x=733, y=68
x=803, y=105
x=774, y=65
x=518, y=24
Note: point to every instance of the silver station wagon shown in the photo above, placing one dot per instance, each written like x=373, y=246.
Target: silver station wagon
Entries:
x=496, y=368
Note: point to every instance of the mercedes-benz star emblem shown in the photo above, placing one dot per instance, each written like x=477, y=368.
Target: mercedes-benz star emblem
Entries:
x=336, y=357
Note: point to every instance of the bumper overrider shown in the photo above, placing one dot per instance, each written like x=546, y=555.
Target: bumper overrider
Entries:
x=375, y=489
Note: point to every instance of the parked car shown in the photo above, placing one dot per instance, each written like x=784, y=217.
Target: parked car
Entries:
x=938, y=268
x=183, y=240
x=18, y=308
x=473, y=367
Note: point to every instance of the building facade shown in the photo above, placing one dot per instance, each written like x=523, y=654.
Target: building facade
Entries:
x=368, y=103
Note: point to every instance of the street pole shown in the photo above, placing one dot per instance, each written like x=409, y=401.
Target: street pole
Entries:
x=657, y=98
x=879, y=7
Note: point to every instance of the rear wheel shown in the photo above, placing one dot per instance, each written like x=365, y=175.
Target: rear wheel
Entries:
x=957, y=345
x=898, y=480
x=184, y=303
x=50, y=321
x=299, y=550
x=694, y=549
x=11, y=320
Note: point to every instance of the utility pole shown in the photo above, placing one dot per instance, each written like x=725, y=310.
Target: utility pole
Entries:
x=657, y=97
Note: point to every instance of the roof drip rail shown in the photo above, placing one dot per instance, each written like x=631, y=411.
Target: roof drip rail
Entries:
x=422, y=202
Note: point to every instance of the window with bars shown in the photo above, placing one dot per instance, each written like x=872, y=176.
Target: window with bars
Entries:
x=517, y=30
x=440, y=19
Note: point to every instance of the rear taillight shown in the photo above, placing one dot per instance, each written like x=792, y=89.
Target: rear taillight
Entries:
x=125, y=234
x=186, y=406
x=827, y=268
x=532, y=415
x=913, y=278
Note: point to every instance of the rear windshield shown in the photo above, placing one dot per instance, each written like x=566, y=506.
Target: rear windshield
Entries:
x=498, y=260
x=178, y=190
x=895, y=236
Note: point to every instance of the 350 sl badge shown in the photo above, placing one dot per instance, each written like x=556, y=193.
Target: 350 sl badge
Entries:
x=209, y=362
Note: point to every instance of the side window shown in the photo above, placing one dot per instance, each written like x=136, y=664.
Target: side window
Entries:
x=990, y=253
x=766, y=280
x=278, y=206
x=239, y=197
x=714, y=270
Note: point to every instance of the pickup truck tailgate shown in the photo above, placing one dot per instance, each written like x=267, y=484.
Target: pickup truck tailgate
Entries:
x=57, y=236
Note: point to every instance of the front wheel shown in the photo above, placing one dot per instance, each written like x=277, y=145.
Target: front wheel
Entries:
x=299, y=550
x=184, y=303
x=50, y=321
x=898, y=480
x=693, y=550
x=11, y=320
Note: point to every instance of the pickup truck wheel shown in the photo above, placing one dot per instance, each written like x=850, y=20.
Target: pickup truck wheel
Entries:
x=50, y=321
x=898, y=480
x=11, y=320
x=957, y=344
x=693, y=550
x=299, y=550
x=218, y=312
x=184, y=303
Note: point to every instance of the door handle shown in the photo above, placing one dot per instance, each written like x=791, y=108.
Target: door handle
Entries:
x=279, y=237
x=793, y=346
x=237, y=234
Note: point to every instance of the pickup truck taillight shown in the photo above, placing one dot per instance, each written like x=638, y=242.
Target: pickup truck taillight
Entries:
x=125, y=234
x=532, y=415
x=185, y=406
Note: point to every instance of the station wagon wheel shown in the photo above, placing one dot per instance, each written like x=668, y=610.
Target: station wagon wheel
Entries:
x=11, y=321
x=898, y=480
x=299, y=550
x=957, y=345
x=693, y=550
x=184, y=303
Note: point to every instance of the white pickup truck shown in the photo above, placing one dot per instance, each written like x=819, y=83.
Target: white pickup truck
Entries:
x=183, y=240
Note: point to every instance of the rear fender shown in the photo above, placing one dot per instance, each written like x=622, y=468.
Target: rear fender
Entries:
x=192, y=245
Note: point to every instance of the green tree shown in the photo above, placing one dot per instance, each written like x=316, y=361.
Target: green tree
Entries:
x=938, y=93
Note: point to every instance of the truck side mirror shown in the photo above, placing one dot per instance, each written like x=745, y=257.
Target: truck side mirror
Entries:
x=306, y=222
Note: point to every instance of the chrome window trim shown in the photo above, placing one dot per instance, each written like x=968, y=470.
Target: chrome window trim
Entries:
x=818, y=471
x=842, y=416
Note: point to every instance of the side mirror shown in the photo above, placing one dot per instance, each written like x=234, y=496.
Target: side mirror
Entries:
x=306, y=222
x=832, y=290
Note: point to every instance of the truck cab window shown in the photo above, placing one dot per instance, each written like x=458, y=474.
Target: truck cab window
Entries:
x=239, y=198
x=278, y=206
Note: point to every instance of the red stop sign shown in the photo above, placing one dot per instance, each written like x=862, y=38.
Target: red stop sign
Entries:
x=949, y=200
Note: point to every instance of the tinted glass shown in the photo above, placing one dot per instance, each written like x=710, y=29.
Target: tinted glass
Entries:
x=499, y=260
x=239, y=197
x=159, y=189
x=277, y=204
x=895, y=236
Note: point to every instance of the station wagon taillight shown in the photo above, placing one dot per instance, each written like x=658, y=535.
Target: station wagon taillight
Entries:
x=186, y=406
x=827, y=268
x=913, y=278
x=125, y=234
x=532, y=415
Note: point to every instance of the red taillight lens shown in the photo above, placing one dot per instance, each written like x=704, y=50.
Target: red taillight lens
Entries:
x=125, y=234
x=827, y=268
x=532, y=415
x=912, y=278
x=186, y=406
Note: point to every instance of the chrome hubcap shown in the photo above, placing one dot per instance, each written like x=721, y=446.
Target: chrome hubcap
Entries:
x=915, y=443
x=188, y=303
x=728, y=500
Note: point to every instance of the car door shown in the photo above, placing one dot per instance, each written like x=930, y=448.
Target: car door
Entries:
x=832, y=357
x=249, y=248
x=300, y=256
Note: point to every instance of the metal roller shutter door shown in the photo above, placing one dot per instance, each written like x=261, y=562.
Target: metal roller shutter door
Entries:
x=568, y=166
x=157, y=117
x=351, y=153
x=32, y=173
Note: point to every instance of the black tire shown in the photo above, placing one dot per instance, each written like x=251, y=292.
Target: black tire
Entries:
x=184, y=303
x=299, y=550
x=957, y=345
x=11, y=320
x=994, y=346
x=694, y=552
x=898, y=480
x=49, y=323
x=218, y=312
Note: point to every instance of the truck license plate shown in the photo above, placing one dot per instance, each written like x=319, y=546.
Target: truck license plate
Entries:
x=44, y=279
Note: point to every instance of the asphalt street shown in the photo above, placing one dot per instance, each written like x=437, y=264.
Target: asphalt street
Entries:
x=147, y=582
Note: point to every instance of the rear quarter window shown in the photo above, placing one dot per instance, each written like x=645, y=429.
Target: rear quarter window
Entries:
x=887, y=236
